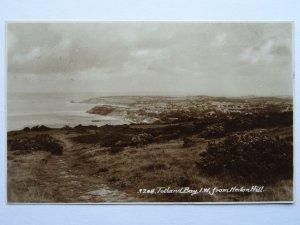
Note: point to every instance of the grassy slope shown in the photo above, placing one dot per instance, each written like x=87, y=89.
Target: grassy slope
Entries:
x=40, y=177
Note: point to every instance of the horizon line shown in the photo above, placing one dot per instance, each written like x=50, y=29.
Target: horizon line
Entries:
x=150, y=93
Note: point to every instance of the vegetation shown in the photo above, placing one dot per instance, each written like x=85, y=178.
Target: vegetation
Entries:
x=193, y=143
x=254, y=157
x=40, y=142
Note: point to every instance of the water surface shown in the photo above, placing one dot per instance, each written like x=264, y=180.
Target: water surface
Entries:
x=52, y=109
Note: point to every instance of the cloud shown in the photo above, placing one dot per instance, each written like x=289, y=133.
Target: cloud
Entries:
x=144, y=56
x=67, y=51
x=271, y=50
x=220, y=40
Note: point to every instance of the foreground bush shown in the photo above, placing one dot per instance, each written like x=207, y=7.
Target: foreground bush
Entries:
x=39, y=142
x=37, y=128
x=252, y=157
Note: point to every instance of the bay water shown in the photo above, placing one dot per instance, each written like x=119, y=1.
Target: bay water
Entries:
x=54, y=110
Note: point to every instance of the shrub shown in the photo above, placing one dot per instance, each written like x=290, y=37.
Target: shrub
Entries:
x=26, y=129
x=107, y=137
x=141, y=139
x=102, y=170
x=251, y=156
x=40, y=128
x=151, y=167
x=115, y=150
x=188, y=142
x=39, y=142
x=213, y=131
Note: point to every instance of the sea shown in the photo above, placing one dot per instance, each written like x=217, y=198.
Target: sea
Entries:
x=54, y=110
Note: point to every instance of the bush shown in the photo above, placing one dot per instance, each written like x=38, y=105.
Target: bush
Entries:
x=108, y=136
x=40, y=128
x=115, y=150
x=213, y=131
x=141, y=139
x=253, y=157
x=39, y=142
x=188, y=142
x=151, y=167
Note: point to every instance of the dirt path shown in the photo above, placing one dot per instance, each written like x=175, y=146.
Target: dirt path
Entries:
x=69, y=181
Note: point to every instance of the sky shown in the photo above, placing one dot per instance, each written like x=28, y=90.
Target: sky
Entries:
x=219, y=59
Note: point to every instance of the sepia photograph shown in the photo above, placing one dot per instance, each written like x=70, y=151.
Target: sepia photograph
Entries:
x=149, y=112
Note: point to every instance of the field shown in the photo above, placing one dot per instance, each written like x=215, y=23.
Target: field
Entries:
x=170, y=143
